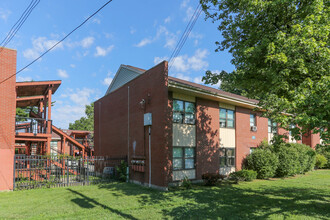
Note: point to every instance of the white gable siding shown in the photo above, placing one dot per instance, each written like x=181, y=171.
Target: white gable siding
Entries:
x=123, y=76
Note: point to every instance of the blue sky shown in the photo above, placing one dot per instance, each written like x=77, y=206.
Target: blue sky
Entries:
x=138, y=33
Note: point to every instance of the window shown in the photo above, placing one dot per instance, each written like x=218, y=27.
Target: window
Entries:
x=272, y=127
x=227, y=118
x=183, y=158
x=183, y=112
x=227, y=157
x=253, y=120
x=292, y=126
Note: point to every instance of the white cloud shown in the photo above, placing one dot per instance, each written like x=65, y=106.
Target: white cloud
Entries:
x=71, y=105
x=159, y=59
x=144, y=42
x=4, y=14
x=40, y=45
x=196, y=62
x=185, y=63
x=184, y=3
x=108, y=79
x=103, y=51
x=180, y=63
x=170, y=38
x=132, y=30
x=182, y=76
x=189, y=13
x=87, y=42
x=23, y=78
x=96, y=20
x=72, y=65
x=62, y=73
x=198, y=80
x=81, y=96
x=108, y=35
x=167, y=20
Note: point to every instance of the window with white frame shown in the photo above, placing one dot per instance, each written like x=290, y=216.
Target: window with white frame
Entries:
x=227, y=118
x=183, y=158
x=227, y=157
x=183, y=112
x=272, y=127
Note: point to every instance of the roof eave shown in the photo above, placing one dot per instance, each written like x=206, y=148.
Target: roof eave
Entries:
x=188, y=88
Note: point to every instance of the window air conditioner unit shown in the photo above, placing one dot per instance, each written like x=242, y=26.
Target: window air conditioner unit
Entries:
x=253, y=128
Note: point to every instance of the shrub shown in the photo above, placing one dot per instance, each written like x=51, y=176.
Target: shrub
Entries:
x=288, y=161
x=186, y=183
x=263, y=161
x=243, y=175
x=211, y=179
x=122, y=171
x=325, y=151
x=306, y=157
x=321, y=161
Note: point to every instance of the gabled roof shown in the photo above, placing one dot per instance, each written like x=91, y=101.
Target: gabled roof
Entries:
x=124, y=74
x=198, y=88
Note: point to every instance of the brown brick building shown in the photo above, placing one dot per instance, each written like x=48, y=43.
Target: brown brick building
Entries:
x=31, y=135
x=171, y=128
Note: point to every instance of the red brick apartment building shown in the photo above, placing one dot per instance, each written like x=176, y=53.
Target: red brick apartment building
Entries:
x=171, y=128
x=33, y=134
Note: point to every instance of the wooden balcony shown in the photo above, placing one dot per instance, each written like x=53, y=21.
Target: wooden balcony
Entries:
x=32, y=129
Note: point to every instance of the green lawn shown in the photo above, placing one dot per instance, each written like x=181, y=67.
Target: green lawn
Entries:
x=301, y=197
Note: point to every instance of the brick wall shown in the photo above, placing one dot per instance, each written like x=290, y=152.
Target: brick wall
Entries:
x=207, y=137
x=311, y=139
x=7, y=117
x=113, y=133
x=245, y=138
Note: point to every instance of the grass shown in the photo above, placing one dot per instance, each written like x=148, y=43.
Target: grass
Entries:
x=301, y=197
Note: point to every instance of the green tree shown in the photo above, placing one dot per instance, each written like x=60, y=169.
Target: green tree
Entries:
x=85, y=123
x=281, y=54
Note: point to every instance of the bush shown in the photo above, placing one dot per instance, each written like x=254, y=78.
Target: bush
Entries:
x=288, y=161
x=321, y=161
x=306, y=157
x=264, y=162
x=122, y=171
x=186, y=183
x=325, y=151
x=243, y=175
x=211, y=179
x=294, y=159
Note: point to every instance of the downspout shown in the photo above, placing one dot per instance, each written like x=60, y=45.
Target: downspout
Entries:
x=149, y=156
x=127, y=179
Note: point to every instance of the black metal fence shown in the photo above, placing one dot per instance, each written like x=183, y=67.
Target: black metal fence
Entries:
x=57, y=171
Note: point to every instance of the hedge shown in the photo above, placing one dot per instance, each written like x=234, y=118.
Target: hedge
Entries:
x=264, y=162
x=285, y=159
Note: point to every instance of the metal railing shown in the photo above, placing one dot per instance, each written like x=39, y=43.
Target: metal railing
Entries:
x=56, y=171
x=32, y=125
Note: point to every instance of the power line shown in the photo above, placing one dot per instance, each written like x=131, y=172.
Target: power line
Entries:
x=19, y=23
x=57, y=43
x=185, y=35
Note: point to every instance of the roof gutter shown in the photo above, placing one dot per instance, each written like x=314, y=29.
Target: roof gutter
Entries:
x=189, y=88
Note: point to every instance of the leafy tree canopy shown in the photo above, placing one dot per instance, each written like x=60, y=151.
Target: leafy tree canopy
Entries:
x=85, y=123
x=281, y=54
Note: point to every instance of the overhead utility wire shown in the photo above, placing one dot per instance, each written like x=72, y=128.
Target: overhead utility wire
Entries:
x=19, y=23
x=60, y=41
x=185, y=35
